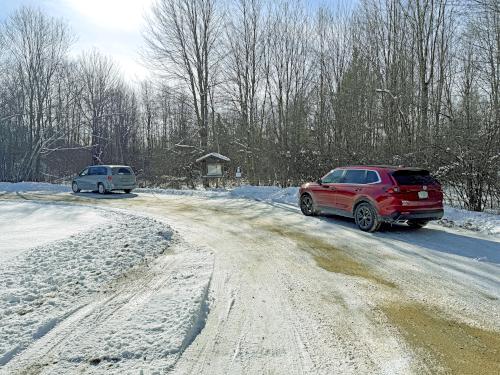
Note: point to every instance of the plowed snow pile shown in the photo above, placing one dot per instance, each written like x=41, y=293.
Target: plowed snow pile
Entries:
x=42, y=285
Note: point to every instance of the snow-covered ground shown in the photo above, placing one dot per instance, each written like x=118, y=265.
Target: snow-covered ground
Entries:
x=26, y=224
x=98, y=261
x=247, y=285
x=482, y=222
x=33, y=187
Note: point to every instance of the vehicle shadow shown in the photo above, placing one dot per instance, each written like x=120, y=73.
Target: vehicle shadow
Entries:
x=400, y=236
x=108, y=195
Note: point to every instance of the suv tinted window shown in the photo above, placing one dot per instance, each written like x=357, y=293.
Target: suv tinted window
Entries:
x=408, y=177
x=354, y=176
x=121, y=171
x=333, y=177
x=371, y=177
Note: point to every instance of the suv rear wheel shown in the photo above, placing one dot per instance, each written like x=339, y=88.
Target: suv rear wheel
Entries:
x=307, y=205
x=366, y=217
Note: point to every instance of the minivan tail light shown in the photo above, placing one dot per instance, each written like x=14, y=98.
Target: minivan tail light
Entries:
x=393, y=189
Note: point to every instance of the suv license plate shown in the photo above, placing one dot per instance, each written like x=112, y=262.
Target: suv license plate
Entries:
x=423, y=194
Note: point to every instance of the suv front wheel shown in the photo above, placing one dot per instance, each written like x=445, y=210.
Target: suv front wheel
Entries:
x=307, y=205
x=366, y=217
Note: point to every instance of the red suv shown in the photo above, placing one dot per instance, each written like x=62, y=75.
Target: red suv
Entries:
x=373, y=195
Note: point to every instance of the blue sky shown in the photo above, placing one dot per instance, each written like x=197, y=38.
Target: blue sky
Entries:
x=112, y=26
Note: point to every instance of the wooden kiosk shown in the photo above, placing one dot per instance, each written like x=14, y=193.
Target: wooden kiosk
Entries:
x=212, y=167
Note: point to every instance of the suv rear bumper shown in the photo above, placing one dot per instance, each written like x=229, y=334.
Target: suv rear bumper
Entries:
x=426, y=215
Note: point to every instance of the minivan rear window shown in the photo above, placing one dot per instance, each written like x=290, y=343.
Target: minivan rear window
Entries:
x=121, y=171
x=418, y=177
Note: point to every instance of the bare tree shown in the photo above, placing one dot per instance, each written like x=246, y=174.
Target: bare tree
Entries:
x=181, y=37
x=35, y=47
x=244, y=38
x=99, y=79
x=428, y=20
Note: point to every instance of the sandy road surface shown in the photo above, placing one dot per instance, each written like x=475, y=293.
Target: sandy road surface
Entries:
x=297, y=295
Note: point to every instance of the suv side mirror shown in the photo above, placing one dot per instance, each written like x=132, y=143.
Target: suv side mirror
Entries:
x=319, y=181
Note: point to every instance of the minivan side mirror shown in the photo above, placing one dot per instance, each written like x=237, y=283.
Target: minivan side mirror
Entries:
x=319, y=181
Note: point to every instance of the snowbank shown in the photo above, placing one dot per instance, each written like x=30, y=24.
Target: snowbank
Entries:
x=260, y=193
x=43, y=285
x=482, y=222
x=12, y=187
x=268, y=194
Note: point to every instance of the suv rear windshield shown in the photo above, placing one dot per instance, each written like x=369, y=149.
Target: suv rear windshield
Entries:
x=408, y=177
x=121, y=171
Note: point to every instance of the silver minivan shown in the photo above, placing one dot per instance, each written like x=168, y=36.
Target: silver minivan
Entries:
x=104, y=178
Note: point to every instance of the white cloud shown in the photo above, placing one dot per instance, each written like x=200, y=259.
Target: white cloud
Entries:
x=111, y=26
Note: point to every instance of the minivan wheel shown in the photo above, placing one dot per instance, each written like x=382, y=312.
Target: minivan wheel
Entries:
x=366, y=218
x=417, y=224
x=101, y=189
x=75, y=188
x=307, y=205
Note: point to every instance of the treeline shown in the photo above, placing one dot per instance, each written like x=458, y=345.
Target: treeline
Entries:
x=286, y=91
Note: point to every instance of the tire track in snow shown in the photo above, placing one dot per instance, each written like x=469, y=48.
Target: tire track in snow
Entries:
x=68, y=347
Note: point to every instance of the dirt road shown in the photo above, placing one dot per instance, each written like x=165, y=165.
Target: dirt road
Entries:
x=296, y=295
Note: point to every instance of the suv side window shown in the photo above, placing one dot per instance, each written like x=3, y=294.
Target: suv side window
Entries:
x=354, y=176
x=371, y=177
x=333, y=177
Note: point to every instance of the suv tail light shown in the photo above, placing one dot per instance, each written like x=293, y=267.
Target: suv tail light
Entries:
x=393, y=189
x=110, y=178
